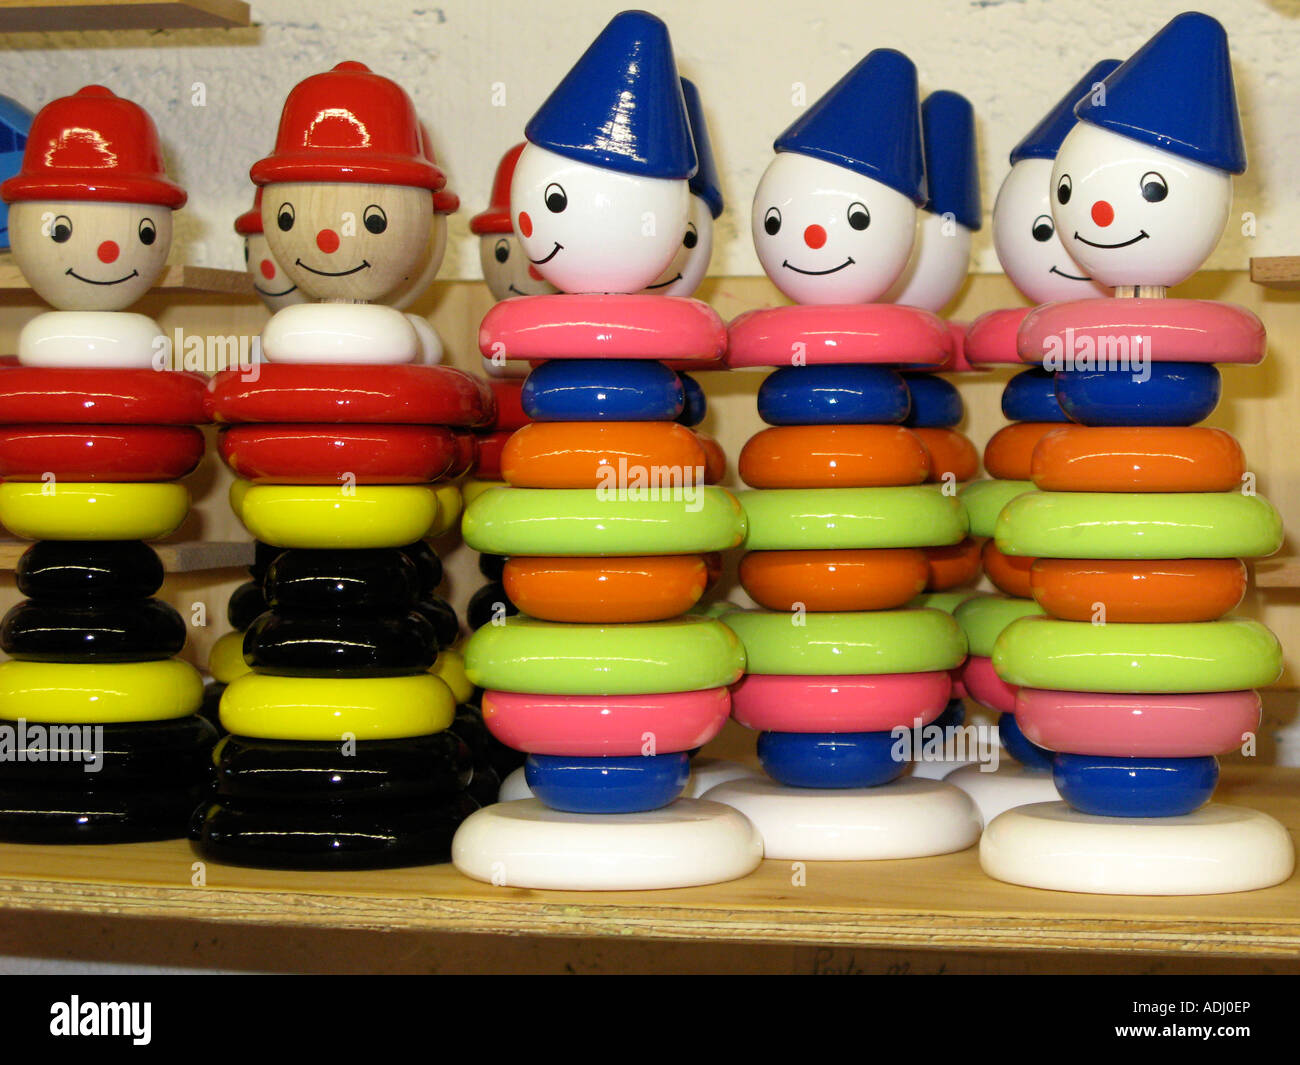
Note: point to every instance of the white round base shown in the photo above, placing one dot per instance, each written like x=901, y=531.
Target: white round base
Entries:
x=515, y=786
x=939, y=769
x=1008, y=786
x=908, y=818
x=525, y=844
x=706, y=773
x=1217, y=849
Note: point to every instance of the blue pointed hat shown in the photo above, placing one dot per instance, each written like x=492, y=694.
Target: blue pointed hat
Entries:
x=621, y=105
x=705, y=182
x=869, y=122
x=951, y=167
x=1044, y=140
x=1176, y=93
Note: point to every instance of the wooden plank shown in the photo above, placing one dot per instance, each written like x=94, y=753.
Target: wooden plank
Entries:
x=178, y=278
x=942, y=903
x=1277, y=573
x=46, y=16
x=192, y=556
x=1276, y=271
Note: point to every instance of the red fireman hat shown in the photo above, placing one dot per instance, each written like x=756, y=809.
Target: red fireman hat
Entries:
x=250, y=222
x=496, y=219
x=93, y=145
x=349, y=125
x=444, y=200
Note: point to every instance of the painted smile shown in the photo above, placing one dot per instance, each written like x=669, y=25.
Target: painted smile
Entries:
x=665, y=284
x=1071, y=277
x=325, y=273
x=819, y=273
x=272, y=295
x=554, y=252
x=1142, y=235
x=92, y=281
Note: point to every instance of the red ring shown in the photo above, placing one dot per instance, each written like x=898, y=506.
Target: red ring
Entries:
x=879, y=333
x=94, y=396
x=327, y=454
x=120, y=453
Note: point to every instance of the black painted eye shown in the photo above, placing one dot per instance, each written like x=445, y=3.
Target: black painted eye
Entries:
x=1063, y=189
x=556, y=198
x=859, y=216
x=502, y=250
x=1154, y=187
x=148, y=231
x=284, y=217
x=772, y=222
x=374, y=219
x=1043, y=228
x=61, y=229
x=692, y=236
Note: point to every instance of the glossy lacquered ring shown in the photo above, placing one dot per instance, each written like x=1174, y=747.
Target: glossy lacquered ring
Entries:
x=1137, y=459
x=1199, y=589
x=984, y=501
x=834, y=456
x=605, y=589
x=873, y=333
x=67, y=510
x=834, y=394
x=834, y=580
x=99, y=693
x=609, y=454
x=845, y=703
x=338, y=454
x=983, y=617
x=73, y=452
x=101, y=396
x=839, y=518
x=338, y=517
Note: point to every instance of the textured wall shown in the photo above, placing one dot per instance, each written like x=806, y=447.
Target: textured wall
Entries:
x=1011, y=57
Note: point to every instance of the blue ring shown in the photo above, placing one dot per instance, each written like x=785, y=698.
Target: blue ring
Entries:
x=1030, y=396
x=1134, y=787
x=697, y=406
x=1028, y=754
x=953, y=716
x=1176, y=393
x=594, y=390
x=834, y=394
x=936, y=403
x=830, y=759
x=607, y=785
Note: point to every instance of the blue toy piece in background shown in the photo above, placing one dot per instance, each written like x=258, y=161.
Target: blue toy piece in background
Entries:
x=1030, y=396
x=15, y=124
x=1016, y=744
x=936, y=403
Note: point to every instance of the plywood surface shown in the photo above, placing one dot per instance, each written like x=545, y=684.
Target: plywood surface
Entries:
x=44, y=16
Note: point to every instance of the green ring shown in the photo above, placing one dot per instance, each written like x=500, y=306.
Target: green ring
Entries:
x=877, y=641
x=1201, y=656
x=948, y=602
x=982, y=619
x=984, y=501
x=523, y=654
x=792, y=519
x=589, y=521
x=1139, y=525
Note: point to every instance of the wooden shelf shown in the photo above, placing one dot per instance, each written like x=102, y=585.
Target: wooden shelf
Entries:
x=174, y=279
x=46, y=16
x=1277, y=271
x=943, y=903
x=191, y=556
x=1276, y=573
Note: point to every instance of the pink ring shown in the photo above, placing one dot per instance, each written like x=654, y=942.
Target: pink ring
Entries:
x=570, y=326
x=882, y=333
x=1137, y=726
x=607, y=725
x=1179, y=330
x=991, y=338
x=986, y=687
x=878, y=703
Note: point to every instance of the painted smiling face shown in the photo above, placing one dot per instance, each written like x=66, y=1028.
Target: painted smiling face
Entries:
x=1132, y=214
x=683, y=275
x=347, y=240
x=506, y=268
x=590, y=229
x=1026, y=240
x=826, y=234
x=81, y=256
x=270, y=282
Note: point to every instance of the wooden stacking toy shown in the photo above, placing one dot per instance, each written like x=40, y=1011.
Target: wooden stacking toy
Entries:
x=346, y=748
x=604, y=678
x=839, y=669
x=1137, y=678
x=95, y=431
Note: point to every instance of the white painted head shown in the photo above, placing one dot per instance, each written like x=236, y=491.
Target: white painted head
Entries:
x=684, y=273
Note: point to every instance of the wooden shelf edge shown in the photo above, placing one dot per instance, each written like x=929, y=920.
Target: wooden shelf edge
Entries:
x=176, y=278
x=62, y=16
x=1276, y=573
x=1276, y=271
x=190, y=556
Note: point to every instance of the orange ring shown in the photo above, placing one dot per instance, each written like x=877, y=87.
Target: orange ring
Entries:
x=1009, y=572
x=834, y=456
x=1138, y=459
x=867, y=579
x=1009, y=454
x=715, y=459
x=605, y=590
x=950, y=453
x=953, y=566
x=597, y=454
x=1199, y=589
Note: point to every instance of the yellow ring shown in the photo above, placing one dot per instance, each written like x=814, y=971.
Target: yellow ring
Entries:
x=238, y=489
x=226, y=659
x=332, y=709
x=315, y=516
x=450, y=669
x=471, y=489
x=66, y=510
x=450, y=504
x=99, y=693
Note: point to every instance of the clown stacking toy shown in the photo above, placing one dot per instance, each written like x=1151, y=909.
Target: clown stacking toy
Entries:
x=838, y=672
x=95, y=431
x=603, y=678
x=340, y=753
x=1137, y=679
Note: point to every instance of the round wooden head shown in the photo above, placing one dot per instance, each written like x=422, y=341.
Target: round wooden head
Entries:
x=417, y=283
x=270, y=282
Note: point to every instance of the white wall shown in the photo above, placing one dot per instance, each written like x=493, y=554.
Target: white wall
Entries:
x=1012, y=58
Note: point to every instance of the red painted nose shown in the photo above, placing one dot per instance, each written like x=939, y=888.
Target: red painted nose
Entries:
x=328, y=241
x=268, y=269
x=108, y=251
x=1103, y=213
x=525, y=224
x=534, y=273
x=814, y=236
